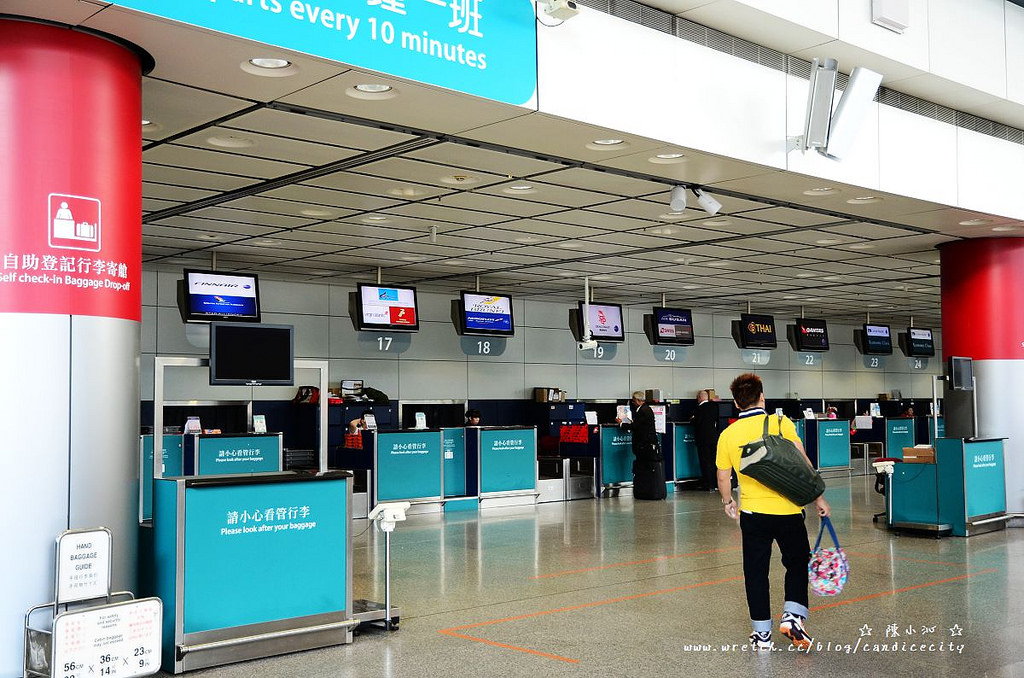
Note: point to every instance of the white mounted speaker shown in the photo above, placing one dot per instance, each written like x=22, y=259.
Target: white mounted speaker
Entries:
x=819, y=102
x=677, y=201
x=851, y=111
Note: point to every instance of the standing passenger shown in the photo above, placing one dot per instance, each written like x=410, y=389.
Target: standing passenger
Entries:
x=765, y=517
x=645, y=437
x=705, y=434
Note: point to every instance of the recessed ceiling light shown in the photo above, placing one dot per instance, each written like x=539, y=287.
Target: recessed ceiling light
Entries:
x=371, y=91
x=923, y=289
x=864, y=200
x=936, y=261
x=805, y=275
x=667, y=158
x=231, y=141
x=975, y=222
x=269, y=67
x=460, y=180
x=412, y=257
x=146, y=122
x=831, y=277
x=567, y=274
x=828, y=241
x=570, y=244
x=717, y=222
x=1005, y=229
x=684, y=260
x=455, y=262
x=527, y=239
x=690, y=287
x=265, y=243
x=660, y=230
x=825, y=190
x=789, y=296
x=672, y=215
x=376, y=219
x=862, y=246
x=717, y=264
x=603, y=276
x=210, y=236
x=150, y=126
x=812, y=299
x=607, y=144
x=373, y=87
x=314, y=212
x=519, y=189
x=406, y=192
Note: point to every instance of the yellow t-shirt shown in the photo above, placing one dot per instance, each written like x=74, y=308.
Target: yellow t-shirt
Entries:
x=754, y=496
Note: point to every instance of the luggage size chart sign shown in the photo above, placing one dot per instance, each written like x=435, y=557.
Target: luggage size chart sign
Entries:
x=121, y=640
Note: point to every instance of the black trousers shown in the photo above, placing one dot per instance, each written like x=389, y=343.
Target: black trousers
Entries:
x=759, y=531
x=708, y=470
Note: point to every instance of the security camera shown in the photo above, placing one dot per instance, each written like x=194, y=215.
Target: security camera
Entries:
x=588, y=345
x=560, y=9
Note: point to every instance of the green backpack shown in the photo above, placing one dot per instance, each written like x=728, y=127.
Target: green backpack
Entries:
x=776, y=463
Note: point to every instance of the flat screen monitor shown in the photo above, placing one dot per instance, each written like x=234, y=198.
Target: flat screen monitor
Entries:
x=386, y=309
x=206, y=296
x=487, y=315
x=605, y=322
x=961, y=373
x=919, y=343
x=672, y=326
x=877, y=340
x=251, y=353
x=810, y=335
x=755, y=330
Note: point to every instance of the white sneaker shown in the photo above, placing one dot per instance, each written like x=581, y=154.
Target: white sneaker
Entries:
x=761, y=640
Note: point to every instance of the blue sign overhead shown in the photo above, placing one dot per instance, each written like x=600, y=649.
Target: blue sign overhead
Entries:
x=486, y=48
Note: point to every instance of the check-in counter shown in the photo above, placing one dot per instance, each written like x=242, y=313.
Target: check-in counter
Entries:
x=252, y=566
x=455, y=475
x=614, y=470
x=170, y=465
x=507, y=464
x=683, y=442
x=972, y=484
x=208, y=454
x=408, y=466
x=827, y=443
x=962, y=493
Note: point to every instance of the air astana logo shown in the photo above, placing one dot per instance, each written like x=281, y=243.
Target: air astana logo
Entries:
x=74, y=222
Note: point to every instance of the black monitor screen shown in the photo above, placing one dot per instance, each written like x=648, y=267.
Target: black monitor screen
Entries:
x=251, y=354
x=757, y=331
x=811, y=335
x=877, y=340
x=920, y=343
x=673, y=326
x=961, y=373
x=486, y=314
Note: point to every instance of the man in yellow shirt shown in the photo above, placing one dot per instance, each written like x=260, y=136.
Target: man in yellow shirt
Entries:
x=765, y=517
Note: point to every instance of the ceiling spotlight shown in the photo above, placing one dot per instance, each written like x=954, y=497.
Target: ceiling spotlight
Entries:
x=270, y=63
x=677, y=201
x=373, y=87
x=710, y=205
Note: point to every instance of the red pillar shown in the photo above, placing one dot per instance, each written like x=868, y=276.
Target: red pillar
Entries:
x=70, y=305
x=983, y=319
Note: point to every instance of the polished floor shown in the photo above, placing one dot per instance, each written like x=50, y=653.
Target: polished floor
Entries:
x=619, y=587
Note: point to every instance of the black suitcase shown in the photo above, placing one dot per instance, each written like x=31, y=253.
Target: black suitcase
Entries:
x=649, y=479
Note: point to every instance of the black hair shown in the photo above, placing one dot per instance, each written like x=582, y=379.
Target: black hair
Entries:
x=474, y=413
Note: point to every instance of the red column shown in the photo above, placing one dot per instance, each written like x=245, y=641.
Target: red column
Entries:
x=70, y=173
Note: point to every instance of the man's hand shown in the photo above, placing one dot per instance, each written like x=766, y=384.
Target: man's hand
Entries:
x=824, y=510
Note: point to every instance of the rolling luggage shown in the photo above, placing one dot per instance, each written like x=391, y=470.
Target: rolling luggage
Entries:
x=649, y=479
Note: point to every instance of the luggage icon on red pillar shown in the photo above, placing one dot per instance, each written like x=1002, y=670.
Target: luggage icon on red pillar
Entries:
x=74, y=222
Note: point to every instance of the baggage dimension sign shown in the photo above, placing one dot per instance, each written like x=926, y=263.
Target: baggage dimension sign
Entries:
x=486, y=48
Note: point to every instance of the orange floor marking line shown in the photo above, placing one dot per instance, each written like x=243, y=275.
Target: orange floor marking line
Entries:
x=635, y=562
x=904, y=558
x=454, y=630
x=904, y=589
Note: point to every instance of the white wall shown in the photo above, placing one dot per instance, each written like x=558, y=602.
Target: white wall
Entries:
x=437, y=364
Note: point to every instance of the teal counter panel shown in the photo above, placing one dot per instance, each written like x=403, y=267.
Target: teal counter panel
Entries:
x=172, y=466
x=833, y=444
x=616, y=455
x=225, y=455
x=508, y=460
x=454, y=461
x=914, y=494
x=408, y=465
x=253, y=551
x=899, y=433
x=687, y=463
x=985, y=477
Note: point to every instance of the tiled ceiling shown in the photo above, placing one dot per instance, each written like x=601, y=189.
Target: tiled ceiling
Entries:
x=298, y=180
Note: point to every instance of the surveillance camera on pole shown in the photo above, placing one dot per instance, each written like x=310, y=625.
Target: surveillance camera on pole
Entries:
x=559, y=9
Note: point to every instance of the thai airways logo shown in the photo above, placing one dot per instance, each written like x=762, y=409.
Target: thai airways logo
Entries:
x=74, y=222
x=759, y=328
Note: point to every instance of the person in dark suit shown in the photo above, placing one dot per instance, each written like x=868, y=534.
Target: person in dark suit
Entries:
x=705, y=433
x=645, y=438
